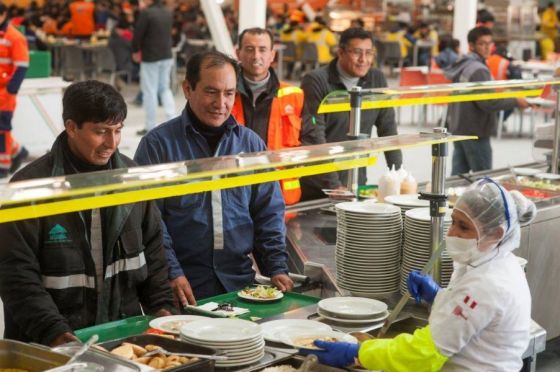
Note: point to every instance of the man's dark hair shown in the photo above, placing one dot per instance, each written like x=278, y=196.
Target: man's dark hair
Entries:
x=93, y=101
x=476, y=33
x=354, y=33
x=3, y=8
x=209, y=59
x=256, y=31
x=551, y=4
x=485, y=16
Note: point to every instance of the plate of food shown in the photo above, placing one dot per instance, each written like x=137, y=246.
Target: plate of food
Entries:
x=260, y=293
x=173, y=323
x=304, y=339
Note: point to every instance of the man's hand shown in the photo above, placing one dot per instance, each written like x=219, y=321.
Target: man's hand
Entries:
x=64, y=338
x=522, y=103
x=182, y=291
x=136, y=57
x=162, y=312
x=282, y=282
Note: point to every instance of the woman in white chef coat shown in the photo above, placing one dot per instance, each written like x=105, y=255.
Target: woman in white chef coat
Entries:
x=481, y=321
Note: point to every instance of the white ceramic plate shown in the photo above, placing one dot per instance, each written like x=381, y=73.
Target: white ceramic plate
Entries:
x=354, y=307
x=222, y=330
x=173, y=323
x=273, y=330
x=300, y=337
x=247, y=296
x=548, y=176
x=407, y=200
x=383, y=316
x=526, y=171
x=423, y=214
x=368, y=208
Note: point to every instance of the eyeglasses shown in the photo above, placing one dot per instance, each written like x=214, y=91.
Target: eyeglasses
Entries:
x=357, y=53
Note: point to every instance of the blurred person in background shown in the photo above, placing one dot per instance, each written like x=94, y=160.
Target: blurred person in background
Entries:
x=484, y=18
x=14, y=62
x=481, y=321
x=319, y=34
x=476, y=118
x=292, y=33
x=449, y=52
x=152, y=44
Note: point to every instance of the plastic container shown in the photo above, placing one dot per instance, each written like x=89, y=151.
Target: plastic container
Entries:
x=409, y=185
x=39, y=64
x=117, y=329
x=389, y=184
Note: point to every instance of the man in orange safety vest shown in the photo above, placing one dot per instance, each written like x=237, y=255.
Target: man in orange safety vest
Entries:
x=14, y=60
x=267, y=105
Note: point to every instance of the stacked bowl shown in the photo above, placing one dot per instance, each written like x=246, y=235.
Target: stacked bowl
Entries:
x=368, y=246
x=241, y=340
x=417, y=248
x=353, y=310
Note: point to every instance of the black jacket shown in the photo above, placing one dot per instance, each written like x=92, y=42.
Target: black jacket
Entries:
x=333, y=127
x=152, y=33
x=53, y=288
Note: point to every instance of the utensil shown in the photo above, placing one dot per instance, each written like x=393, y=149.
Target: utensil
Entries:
x=404, y=299
x=196, y=310
x=85, y=347
x=161, y=350
x=514, y=175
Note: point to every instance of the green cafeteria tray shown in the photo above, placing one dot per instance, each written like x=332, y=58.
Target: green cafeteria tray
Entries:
x=290, y=301
x=118, y=329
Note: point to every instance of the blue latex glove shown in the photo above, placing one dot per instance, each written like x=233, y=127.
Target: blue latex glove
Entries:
x=422, y=287
x=335, y=354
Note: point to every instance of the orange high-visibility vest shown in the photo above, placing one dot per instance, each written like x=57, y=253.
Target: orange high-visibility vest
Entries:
x=81, y=14
x=498, y=66
x=284, y=127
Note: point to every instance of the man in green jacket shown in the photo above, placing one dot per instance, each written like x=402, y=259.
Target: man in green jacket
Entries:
x=69, y=271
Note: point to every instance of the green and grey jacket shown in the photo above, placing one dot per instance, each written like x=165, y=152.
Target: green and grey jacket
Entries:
x=47, y=274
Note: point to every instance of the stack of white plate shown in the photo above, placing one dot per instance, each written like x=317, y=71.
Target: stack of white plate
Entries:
x=353, y=310
x=417, y=248
x=241, y=340
x=368, y=245
x=407, y=202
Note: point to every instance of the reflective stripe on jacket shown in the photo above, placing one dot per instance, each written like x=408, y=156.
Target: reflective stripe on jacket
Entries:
x=55, y=281
x=284, y=129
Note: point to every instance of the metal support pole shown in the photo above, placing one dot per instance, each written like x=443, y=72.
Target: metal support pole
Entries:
x=556, y=139
x=354, y=131
x=438, y=206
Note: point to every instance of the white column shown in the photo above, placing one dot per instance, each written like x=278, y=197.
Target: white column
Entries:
x=217, y=24
x=464, y=19
x=252, y=13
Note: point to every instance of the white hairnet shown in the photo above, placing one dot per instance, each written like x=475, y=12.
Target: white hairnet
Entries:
x=491, y=207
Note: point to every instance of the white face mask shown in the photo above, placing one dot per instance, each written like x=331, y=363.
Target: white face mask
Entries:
x=463, y=251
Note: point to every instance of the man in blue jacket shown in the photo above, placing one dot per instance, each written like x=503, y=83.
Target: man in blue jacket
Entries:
x=210, y=235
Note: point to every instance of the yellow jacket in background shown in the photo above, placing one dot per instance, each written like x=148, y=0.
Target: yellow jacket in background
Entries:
x=403, y=41
x=549, y=23
x=295, y=35
x=324, y=39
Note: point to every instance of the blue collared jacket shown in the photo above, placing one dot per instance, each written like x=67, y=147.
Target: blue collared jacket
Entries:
x=210, y=235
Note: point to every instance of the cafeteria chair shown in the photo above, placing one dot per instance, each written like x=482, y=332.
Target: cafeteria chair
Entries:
x=412, y=77
x=73, y=65
x=391, y=55
x=106, y=63
x=289, y=59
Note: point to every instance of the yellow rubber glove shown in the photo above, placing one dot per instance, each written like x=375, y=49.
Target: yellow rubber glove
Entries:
x=406, y=352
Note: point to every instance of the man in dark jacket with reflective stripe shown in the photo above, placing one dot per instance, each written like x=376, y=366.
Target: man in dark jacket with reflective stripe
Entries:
x=352, y=67
x=69, y=271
